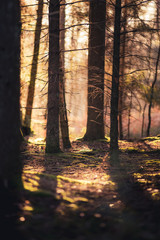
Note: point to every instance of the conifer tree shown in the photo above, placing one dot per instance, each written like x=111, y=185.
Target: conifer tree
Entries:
x=115, y=85
x=52, y=138
x=96, y=54
x=31, y=88
x=10, y=162
x=62, y=98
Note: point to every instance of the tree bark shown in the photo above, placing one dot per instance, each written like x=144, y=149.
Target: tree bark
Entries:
x=115, y=86
x=143, y=120
x=52, y=138
x=122, y=72
x=95, y=119
x=62, y=100
x=129, y=117
x=10, y=163
x=155, y=76
x=152, y=94
x=31, y=88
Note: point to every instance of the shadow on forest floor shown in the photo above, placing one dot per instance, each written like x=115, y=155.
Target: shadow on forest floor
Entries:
x=78, y=195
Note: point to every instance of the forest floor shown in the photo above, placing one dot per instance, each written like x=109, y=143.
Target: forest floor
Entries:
x=78, y=195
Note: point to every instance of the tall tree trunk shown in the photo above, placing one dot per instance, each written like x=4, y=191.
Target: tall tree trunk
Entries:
x=95, y=120
x=10, y=163
x=31, y=88
x=62, y=100
x=122, y=71
x=115, y=86
x=152, y=94
x=155, y=77
x=52, y=138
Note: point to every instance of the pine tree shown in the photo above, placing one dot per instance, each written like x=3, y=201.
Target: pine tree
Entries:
x=10, y=162
x=31, y=88
x=115, y=85
x=95, y=119
x=52, y=138
x=62, y=99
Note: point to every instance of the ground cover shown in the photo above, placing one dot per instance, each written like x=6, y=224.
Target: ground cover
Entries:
x=78, y=195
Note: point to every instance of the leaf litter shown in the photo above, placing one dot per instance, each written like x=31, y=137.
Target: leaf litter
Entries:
x=78, y=195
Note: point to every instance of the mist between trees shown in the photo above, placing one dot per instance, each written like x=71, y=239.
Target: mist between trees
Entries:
x=81, y=69
x=106, y=50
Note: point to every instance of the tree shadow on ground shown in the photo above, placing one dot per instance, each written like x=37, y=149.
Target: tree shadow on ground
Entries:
x=141, y=213
x=81, y=197
x=69, y=207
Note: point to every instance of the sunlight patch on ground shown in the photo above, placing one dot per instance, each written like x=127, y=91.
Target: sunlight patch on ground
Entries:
x=30, y=178
x=31, y=182
x=147, y=179
x=117, y=204
x=155, y=193
x=35, y=140
x=104, y=181
x=27, y=209
x=76, y=193
x=27, y=206
x=85, y=149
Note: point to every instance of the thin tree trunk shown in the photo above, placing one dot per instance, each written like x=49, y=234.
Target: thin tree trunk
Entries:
x=31, y=88
x=52, y=138
x=120, y=113
x=122, y=71
x=129, y=117
x=63, y=110
x=115, y=86
x=143, y=120
x=73, y=44
x=95, y=120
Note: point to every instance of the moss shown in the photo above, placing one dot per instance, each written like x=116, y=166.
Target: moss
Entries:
x=78, y=181
x=48, y=175
x=40, y=193
x=86, y=152
x=152, y=161
x=132, y=150
x=151, y=138
x=106, y=139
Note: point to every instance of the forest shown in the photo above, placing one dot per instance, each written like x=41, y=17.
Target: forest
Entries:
x=80, y=119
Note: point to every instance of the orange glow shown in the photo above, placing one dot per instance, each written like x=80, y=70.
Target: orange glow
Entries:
x=22, y=219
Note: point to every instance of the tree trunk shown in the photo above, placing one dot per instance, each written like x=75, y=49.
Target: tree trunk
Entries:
x=122, y=71
x=115, y=86
x=143, y=120
x=95, y=120
x=155, y=78
x=52, y=138
x=129, y=117
x=31, y=88
x=152, y=94
x=10, y=163
x=62, y=100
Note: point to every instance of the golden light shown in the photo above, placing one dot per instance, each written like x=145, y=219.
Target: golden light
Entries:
x=31, y=179
x=149, y=11
x=22, y=219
